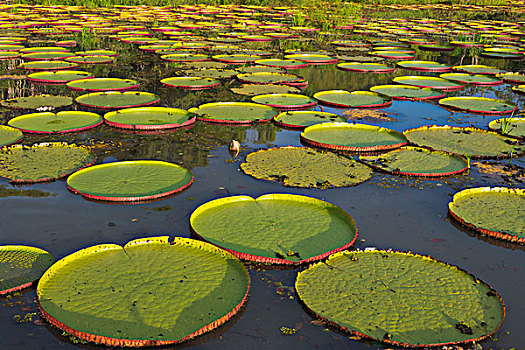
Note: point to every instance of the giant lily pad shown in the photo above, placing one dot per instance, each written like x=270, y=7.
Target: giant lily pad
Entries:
x=476, y=79
x=58, y=77
x=185, y=57
x=47, y=122
x=35, y=102
x=302, y=119
x=42, y=162
x=150, y=303
x=236, y=58
x=269, y=78
x=259, y=89
x=512, y=77
x=471, y=142
x=496, y=211
x=428, y=82
x=47, y=65
x=285, y=101
x=479, y=69
x=365, y=67
x=275, y=228
x=509, y=126
x=234, y=112
x=278, y=63
x=130, y=181
x=90, y=59
x=149, y=118
x=407, y=92
x=116, y=99
x=46, y=56
x=400, y=298
x=343, y=98
x=417, y=161
x=480, y=105
x=103, y=84
x=212, y=73
x=352, y=137
x=190, y=83
x=314, y=59
x=424, y=66
x=305, y=167
x=9, y=135
x=20, y=266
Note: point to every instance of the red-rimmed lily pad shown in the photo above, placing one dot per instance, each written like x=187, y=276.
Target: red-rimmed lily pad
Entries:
x=97, y=53
x=103, y=84
x=393, y=55
x=428, y=82
x=314, y=59
x=467, y=43
x=365, y=67
x=116, y=99
x=481, y=105
x=372, y=294
x=42, y=162
x=47, y=65
x=9, y=55
x=46, y=56
x=261, y=68
x=494, y=211
x=278, y=63
x=74, y=293
x=476, y=79
x=285, y=101
x=21, y=266
x=236, y=58
x=511, y=126
x=407, y=92
x=512, y=77
x=190, y=83
x=35, y=102
x=425, y=66
x=91, y=59
x=259, y=89
x=212, y=73
x=43, y=49
x=479, y=69
x=302, y=119
x=130, y=181
x=520, y=89
x=275, y=228
x=49, y=123
x=149, y=118
x=352, y=137
x=234, y=112
x=185, y=57
x=58, y=77
x=343, y=98
x=415, y=161
x=305, y=167
x=9, y=135
x=465, y=141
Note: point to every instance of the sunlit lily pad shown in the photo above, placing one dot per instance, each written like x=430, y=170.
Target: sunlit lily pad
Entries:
x=259, y=89
x=305, y=167
x=35, y=102
x=48, y=65
x=259, y=69
x=275, y=228
x=496, y=211
x=365, y=67
x=285, y=63
x=42, y=162
x=302, y=119
x=315, y=59
x=479, y=69
x=20, y=266
x=234, y=112
x=185, y=57
x=201, y=279
x=149, y=118
x=509, y=126
x=190, y=83
x=400, y=299
x=343, y=98
x=511, y=77
x=116, y=99
x=103, y=84
x=47, y=122
x=471, y=142
x=285, y=101
x=91, y=59
x=476, y=79
x=58, y=77
x=46, y=56
x=407, y=92
x=425, y=66
x=212, y=73
x=9, y=135
x=480, y=105
x=428, y=82
x=417, y=161
x=269, y=78
x=130, y=181
x=236, y=58
x=352, y=137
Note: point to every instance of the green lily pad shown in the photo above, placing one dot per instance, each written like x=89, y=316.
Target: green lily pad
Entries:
x=35, y=102
x=116, y=99
x=130, y=181
x=302, y=119
x=343, y=98
x=417, y=161
x=58, y=77
x=285, y=101
x=44, y=49
x=103, y=84
x=425, y=66
x=365, y=67
x=9, y=55
x=236, y=58
x=42, y=162
x=47, y=122
x=407, y=92
x=234, y=112
x=467, y=141
x=9, y=135
x=259, y=69
x=352, y=137
x=393, y=55
x=46, y=56
x=275, y=228
x=478, y=69
x=213, y=73
x=260, y=89
x=480, y=105
x=20, y=266
x=305, y=167
x=97, y=53
x=90, y=59
x=150, y=304
x=190, y=83
x=511, y=77
x=428, y=82
x=476, y=79
x=48, y=65
x=494, y=211
x=185, y=57
x=149, y=118
x=314, y=59
x=400, y=298
x=268, y=78
x=514, y=127
x=278, y=63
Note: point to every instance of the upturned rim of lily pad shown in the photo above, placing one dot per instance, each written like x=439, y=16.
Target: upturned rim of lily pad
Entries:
x=319, y=96
x=307, y=102
x=162, y=110
x=73, y=84
x=154, y=99
x=377, y=88
x=208, y=118
x=185, y=83
x=97, y=120
x=382, y=68
x=446, y=103
x=424, y=66
x=46, y=77
x=17, y=133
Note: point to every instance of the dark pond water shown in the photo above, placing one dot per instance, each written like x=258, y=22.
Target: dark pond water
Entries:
x=404, y=214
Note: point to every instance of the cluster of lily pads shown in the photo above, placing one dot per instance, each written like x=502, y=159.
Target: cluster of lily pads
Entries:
x=349, y=289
